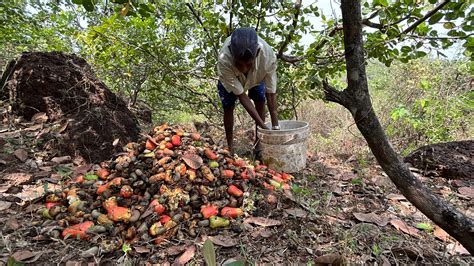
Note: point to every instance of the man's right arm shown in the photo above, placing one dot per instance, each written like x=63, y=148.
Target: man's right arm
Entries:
x=250, y=108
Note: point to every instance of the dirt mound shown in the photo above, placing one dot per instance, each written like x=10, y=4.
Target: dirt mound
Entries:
x=451, y=159
x=65, y=88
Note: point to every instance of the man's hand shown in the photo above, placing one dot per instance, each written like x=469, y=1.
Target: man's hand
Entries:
x=272, y=107
x=246, y=102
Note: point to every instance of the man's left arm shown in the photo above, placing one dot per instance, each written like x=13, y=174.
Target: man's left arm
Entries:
x=270, y=93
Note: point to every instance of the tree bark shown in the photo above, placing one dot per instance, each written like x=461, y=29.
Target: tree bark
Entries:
x=356, y=99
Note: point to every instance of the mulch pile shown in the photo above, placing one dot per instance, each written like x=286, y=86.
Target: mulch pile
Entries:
x=453, y=160
x=60, y=87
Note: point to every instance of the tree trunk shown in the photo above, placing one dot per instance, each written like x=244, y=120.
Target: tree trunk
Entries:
x=356, y=99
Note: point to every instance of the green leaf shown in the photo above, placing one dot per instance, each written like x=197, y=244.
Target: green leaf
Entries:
x=383, y=3
x=425, y=226
x=420, y=54
x=405, y=49
x=88, y=6
x=91, y=177
x=126, y=248
x=79, y=2
x=435, y=18
x=12, y=262
x=209, y=253
x=449, y=25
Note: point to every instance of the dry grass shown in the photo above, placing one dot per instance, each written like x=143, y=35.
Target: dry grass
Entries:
x=332, y=130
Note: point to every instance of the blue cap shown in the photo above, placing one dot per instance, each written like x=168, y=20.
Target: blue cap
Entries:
x=244, y=43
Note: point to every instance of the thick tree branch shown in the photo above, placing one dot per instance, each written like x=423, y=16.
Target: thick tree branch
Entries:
x=293, y=29
x=291, y=58
x=371, y=24
x=333, y=95
x=196, y=16
x=440, y=212
x=425, y=17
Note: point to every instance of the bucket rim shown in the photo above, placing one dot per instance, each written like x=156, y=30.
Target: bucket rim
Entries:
x=305, y=125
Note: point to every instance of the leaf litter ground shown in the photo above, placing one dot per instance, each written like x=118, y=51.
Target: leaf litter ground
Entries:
x=338, y=210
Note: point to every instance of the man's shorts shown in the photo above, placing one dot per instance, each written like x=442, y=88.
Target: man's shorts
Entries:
x=257, y=94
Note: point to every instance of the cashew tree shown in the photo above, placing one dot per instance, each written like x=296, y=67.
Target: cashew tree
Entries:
x=356, y=99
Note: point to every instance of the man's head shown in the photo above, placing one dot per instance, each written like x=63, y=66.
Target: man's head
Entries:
x=244, y=48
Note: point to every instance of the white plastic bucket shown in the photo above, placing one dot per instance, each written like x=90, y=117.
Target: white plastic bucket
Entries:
x=284, y=149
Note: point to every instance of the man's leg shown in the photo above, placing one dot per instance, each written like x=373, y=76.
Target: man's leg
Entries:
x=229, y=127
x=257, y=94
x=228, y=103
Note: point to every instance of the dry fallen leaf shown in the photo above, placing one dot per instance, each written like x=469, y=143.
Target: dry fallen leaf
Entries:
x=141, y=250
x=21, y=154
x=23, y=255
x=63, y=127
x=225, y=241
x=440, y=234
x=297, y=212
x=175, y=250
x=73, y=263
x=371, y=218
x=186, y=256
x=32, y=192
x=11, y=224
x=346, y=176
x=262, y=221
x=62, y=159
x=17, y=178
x=288, y=194
x=263, y=232
x=39, y=118
x=395, y=197
x=332, y=259
x=385, y=261
x=456, y=248
x=82, y=169
x=192, y=160
x=458, y=183
x=34, y=128
x=467, y=191
x=4, y=205
x=402, y=226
